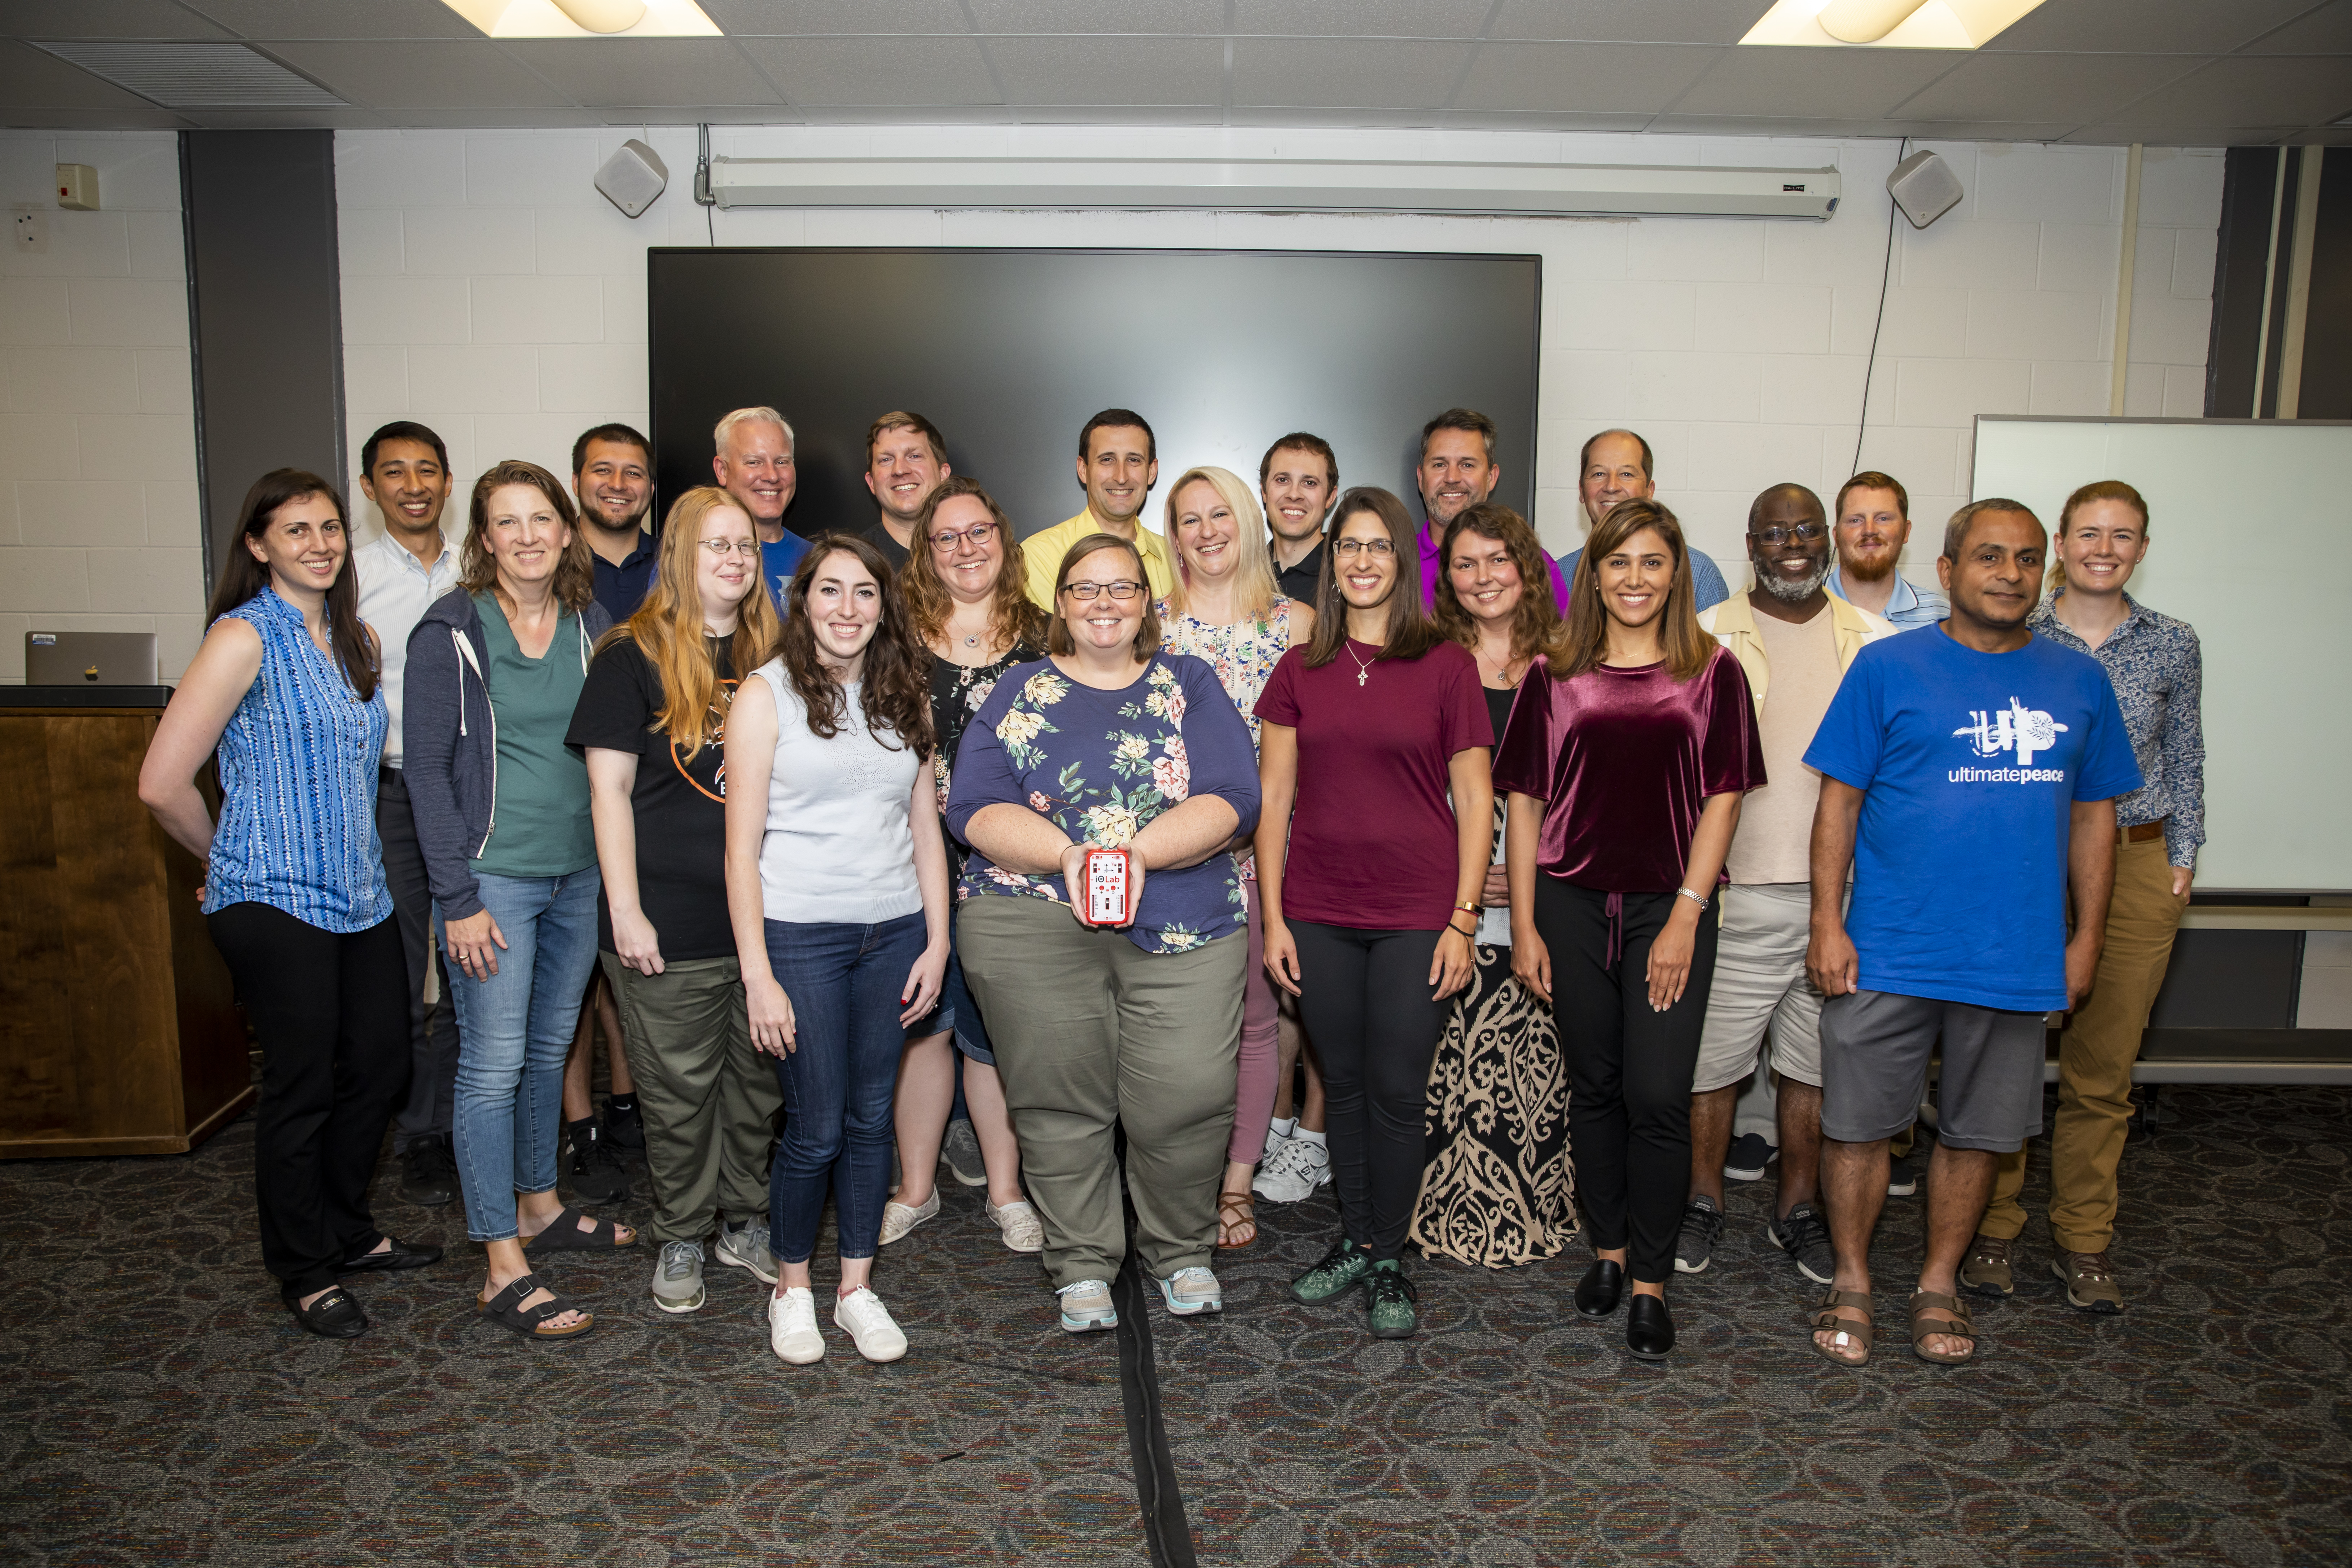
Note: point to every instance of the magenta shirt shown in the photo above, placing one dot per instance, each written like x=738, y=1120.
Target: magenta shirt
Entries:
x=1372, y=839
x=1625, y=759
x=1429, y=539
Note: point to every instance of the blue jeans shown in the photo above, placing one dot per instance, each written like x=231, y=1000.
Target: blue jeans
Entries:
x=514, y=1031
x=844, y=982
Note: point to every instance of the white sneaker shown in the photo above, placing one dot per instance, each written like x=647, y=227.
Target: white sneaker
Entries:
x=862, y=1316
x=791, y=1328
x=898, y=1218
x=1191, y=1290
x=1292, y=1172
x=1024, y=1231
x=1087, y=1305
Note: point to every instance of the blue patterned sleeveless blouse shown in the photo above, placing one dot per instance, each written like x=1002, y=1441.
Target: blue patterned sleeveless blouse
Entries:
x=298, y=764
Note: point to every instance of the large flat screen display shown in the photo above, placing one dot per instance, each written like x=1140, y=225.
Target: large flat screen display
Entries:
x=1009, y=351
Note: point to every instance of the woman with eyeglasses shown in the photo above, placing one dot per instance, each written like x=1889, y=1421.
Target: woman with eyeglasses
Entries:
x=1110, y=742
x=965, y=595
x=1371, y=857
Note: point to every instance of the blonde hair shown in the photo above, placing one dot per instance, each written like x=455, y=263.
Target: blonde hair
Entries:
x=667, y=627
x=762, y=415
x=1253, y=584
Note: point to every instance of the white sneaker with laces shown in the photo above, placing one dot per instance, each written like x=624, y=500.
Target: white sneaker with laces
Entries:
x=867, y=1322
x=1022, y=1230
x=791, y=1328
x=898, y=1218
x=1087, y=1305
x=1191, y=1290
x=1292, y=1172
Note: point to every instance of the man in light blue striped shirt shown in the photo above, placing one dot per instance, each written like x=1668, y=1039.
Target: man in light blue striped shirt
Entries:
x=1874, y=520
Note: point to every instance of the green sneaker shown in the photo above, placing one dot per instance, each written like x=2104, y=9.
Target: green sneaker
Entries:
x=1341, y=1270
x=1392, y=1296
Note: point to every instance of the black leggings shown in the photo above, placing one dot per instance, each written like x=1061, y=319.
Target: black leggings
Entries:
x=1364, y=997
x=332, y=1011
x=1629, y=1067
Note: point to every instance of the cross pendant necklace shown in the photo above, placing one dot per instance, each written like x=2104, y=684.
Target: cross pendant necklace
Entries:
x=1363, y=670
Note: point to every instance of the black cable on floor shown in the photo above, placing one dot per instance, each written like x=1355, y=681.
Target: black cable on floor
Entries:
x=1166, y=1533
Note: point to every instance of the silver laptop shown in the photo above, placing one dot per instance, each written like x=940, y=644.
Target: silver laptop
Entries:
x=89, y=658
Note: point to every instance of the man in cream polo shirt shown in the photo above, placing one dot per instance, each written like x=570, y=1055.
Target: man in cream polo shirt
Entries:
x=1119, y=462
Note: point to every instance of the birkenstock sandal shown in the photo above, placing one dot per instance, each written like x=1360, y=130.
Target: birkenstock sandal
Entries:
x=1825, y=1316
x=1955, y=1324
x=564, y=1233
x=506, y=1310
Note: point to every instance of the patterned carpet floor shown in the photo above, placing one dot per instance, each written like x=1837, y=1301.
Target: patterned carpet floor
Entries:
x=157, y=1405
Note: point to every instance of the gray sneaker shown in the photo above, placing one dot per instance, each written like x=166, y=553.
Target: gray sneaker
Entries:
x=961, y=1151
x=1701, y=1227
x=1804, y=1236
x=746, y=1246
x=677, y=1278
x=1292, y=1172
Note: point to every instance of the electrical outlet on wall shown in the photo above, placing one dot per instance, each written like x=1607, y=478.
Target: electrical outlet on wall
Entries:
x=29, y=230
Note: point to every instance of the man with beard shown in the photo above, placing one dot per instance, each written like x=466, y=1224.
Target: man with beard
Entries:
x=612, y=473
x=1794, y=642
x=905, y=460
x=1119, y=462
x=1617, y=466
x=753, y=463
x=1873, y=521
x=1457, y=470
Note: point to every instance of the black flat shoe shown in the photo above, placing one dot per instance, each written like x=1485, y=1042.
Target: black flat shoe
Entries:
x=334, y=1315
x=399, y=1254
x=1649, y=1328
x=1604, y=1285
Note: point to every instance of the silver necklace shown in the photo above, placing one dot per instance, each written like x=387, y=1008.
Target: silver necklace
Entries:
x=1363, y=670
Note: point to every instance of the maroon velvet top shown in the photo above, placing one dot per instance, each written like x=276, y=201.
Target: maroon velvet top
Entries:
x=1625, y=759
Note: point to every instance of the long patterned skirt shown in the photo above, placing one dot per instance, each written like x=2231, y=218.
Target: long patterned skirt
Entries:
x=1499, y=1189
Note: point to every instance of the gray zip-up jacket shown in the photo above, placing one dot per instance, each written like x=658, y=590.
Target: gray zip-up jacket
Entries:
x=450, y=738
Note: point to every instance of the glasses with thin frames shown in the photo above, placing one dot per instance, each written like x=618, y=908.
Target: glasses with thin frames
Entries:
x=1346, y=549
x=979, y=534
x=1124, y=589
x=1776, y=536
x=722, y=548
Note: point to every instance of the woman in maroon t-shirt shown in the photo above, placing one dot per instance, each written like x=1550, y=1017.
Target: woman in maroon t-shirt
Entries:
x=1625, y=759
x=1377, y=733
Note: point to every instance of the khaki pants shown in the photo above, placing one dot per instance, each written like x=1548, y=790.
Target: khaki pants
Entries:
x=1091, y=1031
x=708, y=1097
x=2094, y=1062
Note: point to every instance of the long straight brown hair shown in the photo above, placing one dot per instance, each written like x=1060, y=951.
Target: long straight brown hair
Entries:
x=1409, y=632
x=1584, y=642
x=895, y=690
x=667, y=627
x=242, y=577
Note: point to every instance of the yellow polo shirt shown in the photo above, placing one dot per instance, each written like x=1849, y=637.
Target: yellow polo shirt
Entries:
x=1043, y=552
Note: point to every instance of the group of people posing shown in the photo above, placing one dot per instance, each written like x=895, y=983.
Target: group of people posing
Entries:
x=1525, y=867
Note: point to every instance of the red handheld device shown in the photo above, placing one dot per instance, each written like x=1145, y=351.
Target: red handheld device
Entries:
x=1109, y=889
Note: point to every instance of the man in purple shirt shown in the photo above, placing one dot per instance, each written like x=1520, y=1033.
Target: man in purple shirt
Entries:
x=1457, y=471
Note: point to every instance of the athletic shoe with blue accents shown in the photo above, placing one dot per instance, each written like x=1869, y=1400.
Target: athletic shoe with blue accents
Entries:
x=1191, y=1290
x=1086, y=1305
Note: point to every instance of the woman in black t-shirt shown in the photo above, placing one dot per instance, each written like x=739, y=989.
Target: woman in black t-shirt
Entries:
x=651, y=720
x=964, y=587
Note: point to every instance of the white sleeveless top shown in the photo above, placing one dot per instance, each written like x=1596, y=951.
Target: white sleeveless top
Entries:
x=839, y=848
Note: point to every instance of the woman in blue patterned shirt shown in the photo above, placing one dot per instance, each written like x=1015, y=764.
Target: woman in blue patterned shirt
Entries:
x=286, y=688
x=1111, y=742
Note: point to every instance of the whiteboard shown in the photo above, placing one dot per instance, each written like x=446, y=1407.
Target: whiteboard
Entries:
x=2250, y=541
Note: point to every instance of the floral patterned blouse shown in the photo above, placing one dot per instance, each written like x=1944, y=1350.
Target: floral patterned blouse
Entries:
x=957, y=692
x=1102, y=764
x=1244, y=655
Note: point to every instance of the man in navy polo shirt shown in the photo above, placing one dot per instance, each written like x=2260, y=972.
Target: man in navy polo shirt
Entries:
x=612, y=473
x=1970, y=772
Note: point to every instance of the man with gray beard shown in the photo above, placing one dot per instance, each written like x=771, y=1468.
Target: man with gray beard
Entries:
x=1795, y=641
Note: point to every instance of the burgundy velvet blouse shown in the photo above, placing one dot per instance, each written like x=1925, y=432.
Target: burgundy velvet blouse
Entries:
x=1625, y=759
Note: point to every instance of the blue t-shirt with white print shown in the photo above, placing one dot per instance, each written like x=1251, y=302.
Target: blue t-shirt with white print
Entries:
x=778, y=562
x=1970, y=763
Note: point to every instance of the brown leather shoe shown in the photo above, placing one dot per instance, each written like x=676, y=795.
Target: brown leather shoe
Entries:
x=2090, y=1281
x=1986, y=1269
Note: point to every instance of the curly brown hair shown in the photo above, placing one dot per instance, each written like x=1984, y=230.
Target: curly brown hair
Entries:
x=575, y=572
x=1537, y=619
x=896, y=685
x=1012, y=613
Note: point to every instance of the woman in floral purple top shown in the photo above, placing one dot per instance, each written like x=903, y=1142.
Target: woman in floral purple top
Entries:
x=1110, y=742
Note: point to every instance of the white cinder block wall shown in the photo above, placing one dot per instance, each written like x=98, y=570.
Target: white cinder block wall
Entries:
x=99, y=515
x=490, y=292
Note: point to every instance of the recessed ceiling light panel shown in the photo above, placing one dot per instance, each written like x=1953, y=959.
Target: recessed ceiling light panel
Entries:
x=1886, y=24
x=195, y=76
x=587, y=19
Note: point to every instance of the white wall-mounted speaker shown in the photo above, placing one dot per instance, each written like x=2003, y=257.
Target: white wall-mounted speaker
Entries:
x=1924, y=187
x=632, y=177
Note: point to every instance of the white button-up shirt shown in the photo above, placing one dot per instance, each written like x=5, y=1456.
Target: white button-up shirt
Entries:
x=395, y=589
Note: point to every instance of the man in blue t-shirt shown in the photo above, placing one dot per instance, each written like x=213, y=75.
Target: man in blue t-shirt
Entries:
x=752, y=461
x=1970, y=772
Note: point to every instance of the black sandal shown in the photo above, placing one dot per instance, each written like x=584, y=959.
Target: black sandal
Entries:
x=563, y=1234
x=506, y=1310
x=335, y=1315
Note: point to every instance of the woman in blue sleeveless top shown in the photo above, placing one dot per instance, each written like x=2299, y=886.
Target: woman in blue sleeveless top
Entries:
x=286, y=688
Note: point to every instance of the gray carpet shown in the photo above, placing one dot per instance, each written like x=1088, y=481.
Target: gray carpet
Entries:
x=159, y=1406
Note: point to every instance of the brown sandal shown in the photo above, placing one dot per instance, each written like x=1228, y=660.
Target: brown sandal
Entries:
x=1235, y=1210
x=1953, y=1324
x=1825, y=1316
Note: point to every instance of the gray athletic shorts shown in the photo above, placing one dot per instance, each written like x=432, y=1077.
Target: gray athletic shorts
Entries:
x=1875, y=1051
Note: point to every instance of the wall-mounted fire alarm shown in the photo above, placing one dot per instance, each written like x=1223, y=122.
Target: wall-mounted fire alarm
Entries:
x=77, y=187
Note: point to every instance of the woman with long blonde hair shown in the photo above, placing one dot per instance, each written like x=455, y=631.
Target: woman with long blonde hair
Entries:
x=651, y=722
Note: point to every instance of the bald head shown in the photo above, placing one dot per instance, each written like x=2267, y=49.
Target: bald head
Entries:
x=1788, y=544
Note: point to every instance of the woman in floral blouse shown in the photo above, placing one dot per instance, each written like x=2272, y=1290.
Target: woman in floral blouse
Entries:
x=1223, y=608
x=964, y=595
x=1110, y=742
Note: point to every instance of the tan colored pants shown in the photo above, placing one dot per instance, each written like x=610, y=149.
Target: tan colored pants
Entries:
x=2094, y=1062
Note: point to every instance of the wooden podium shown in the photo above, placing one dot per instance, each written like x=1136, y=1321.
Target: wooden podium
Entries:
x=119, y=1029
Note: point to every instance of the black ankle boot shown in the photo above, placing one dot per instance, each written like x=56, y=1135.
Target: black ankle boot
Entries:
x=1604, y=1285
x=1649, y=1328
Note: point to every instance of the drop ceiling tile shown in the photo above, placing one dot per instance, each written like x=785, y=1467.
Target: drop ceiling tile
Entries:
x=1089, y=71
x=2124, y=132
x=1587, y=79
x=2326, y=31
x=2077, y=88
x=426, y=75
x=1679, y=124
x=2146, y=26
x=2244, y=90
x=1116, y=114
x=192, y=75
x=799, y=18
x=1856, y=84
x=31, y=80
x=343, y=118
x=1373, y=72
x=877, y=72
x=105, y=19
x=1301, y=116
x=628, y=114
x=272, y=19
x=1629, y=21
x=1543, y=120
x=436, y=117
x=902, y=114
x=1930, y=129
x=601, y=71
x=1131, y=17
x=1361, y=19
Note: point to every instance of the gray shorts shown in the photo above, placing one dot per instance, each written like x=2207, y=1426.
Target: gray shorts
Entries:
x=1875, y=1051
x=1760, y=985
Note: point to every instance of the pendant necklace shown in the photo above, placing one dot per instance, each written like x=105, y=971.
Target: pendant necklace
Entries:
x=1363, y=670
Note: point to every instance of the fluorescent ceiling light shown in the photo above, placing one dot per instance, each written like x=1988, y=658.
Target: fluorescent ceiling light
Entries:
x=1886, y=24
x=564, y=18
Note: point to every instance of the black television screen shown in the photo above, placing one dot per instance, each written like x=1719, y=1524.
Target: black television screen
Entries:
x=1009, y=351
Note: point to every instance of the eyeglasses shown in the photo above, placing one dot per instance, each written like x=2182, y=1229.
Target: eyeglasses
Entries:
x=1776, y=536
x=979, y=534
x=1124, y=589
x=723, y=548
x=1346, y=549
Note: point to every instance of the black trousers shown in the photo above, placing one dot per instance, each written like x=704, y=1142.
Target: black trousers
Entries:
x=1629, y=1067
x=1364, y=997
x=430, y=1109
x=334, y=1062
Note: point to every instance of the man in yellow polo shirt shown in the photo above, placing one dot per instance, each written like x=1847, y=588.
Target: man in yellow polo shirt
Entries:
x=1119, y=462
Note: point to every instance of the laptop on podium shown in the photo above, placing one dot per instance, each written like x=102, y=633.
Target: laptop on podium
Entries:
x=89, y=658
